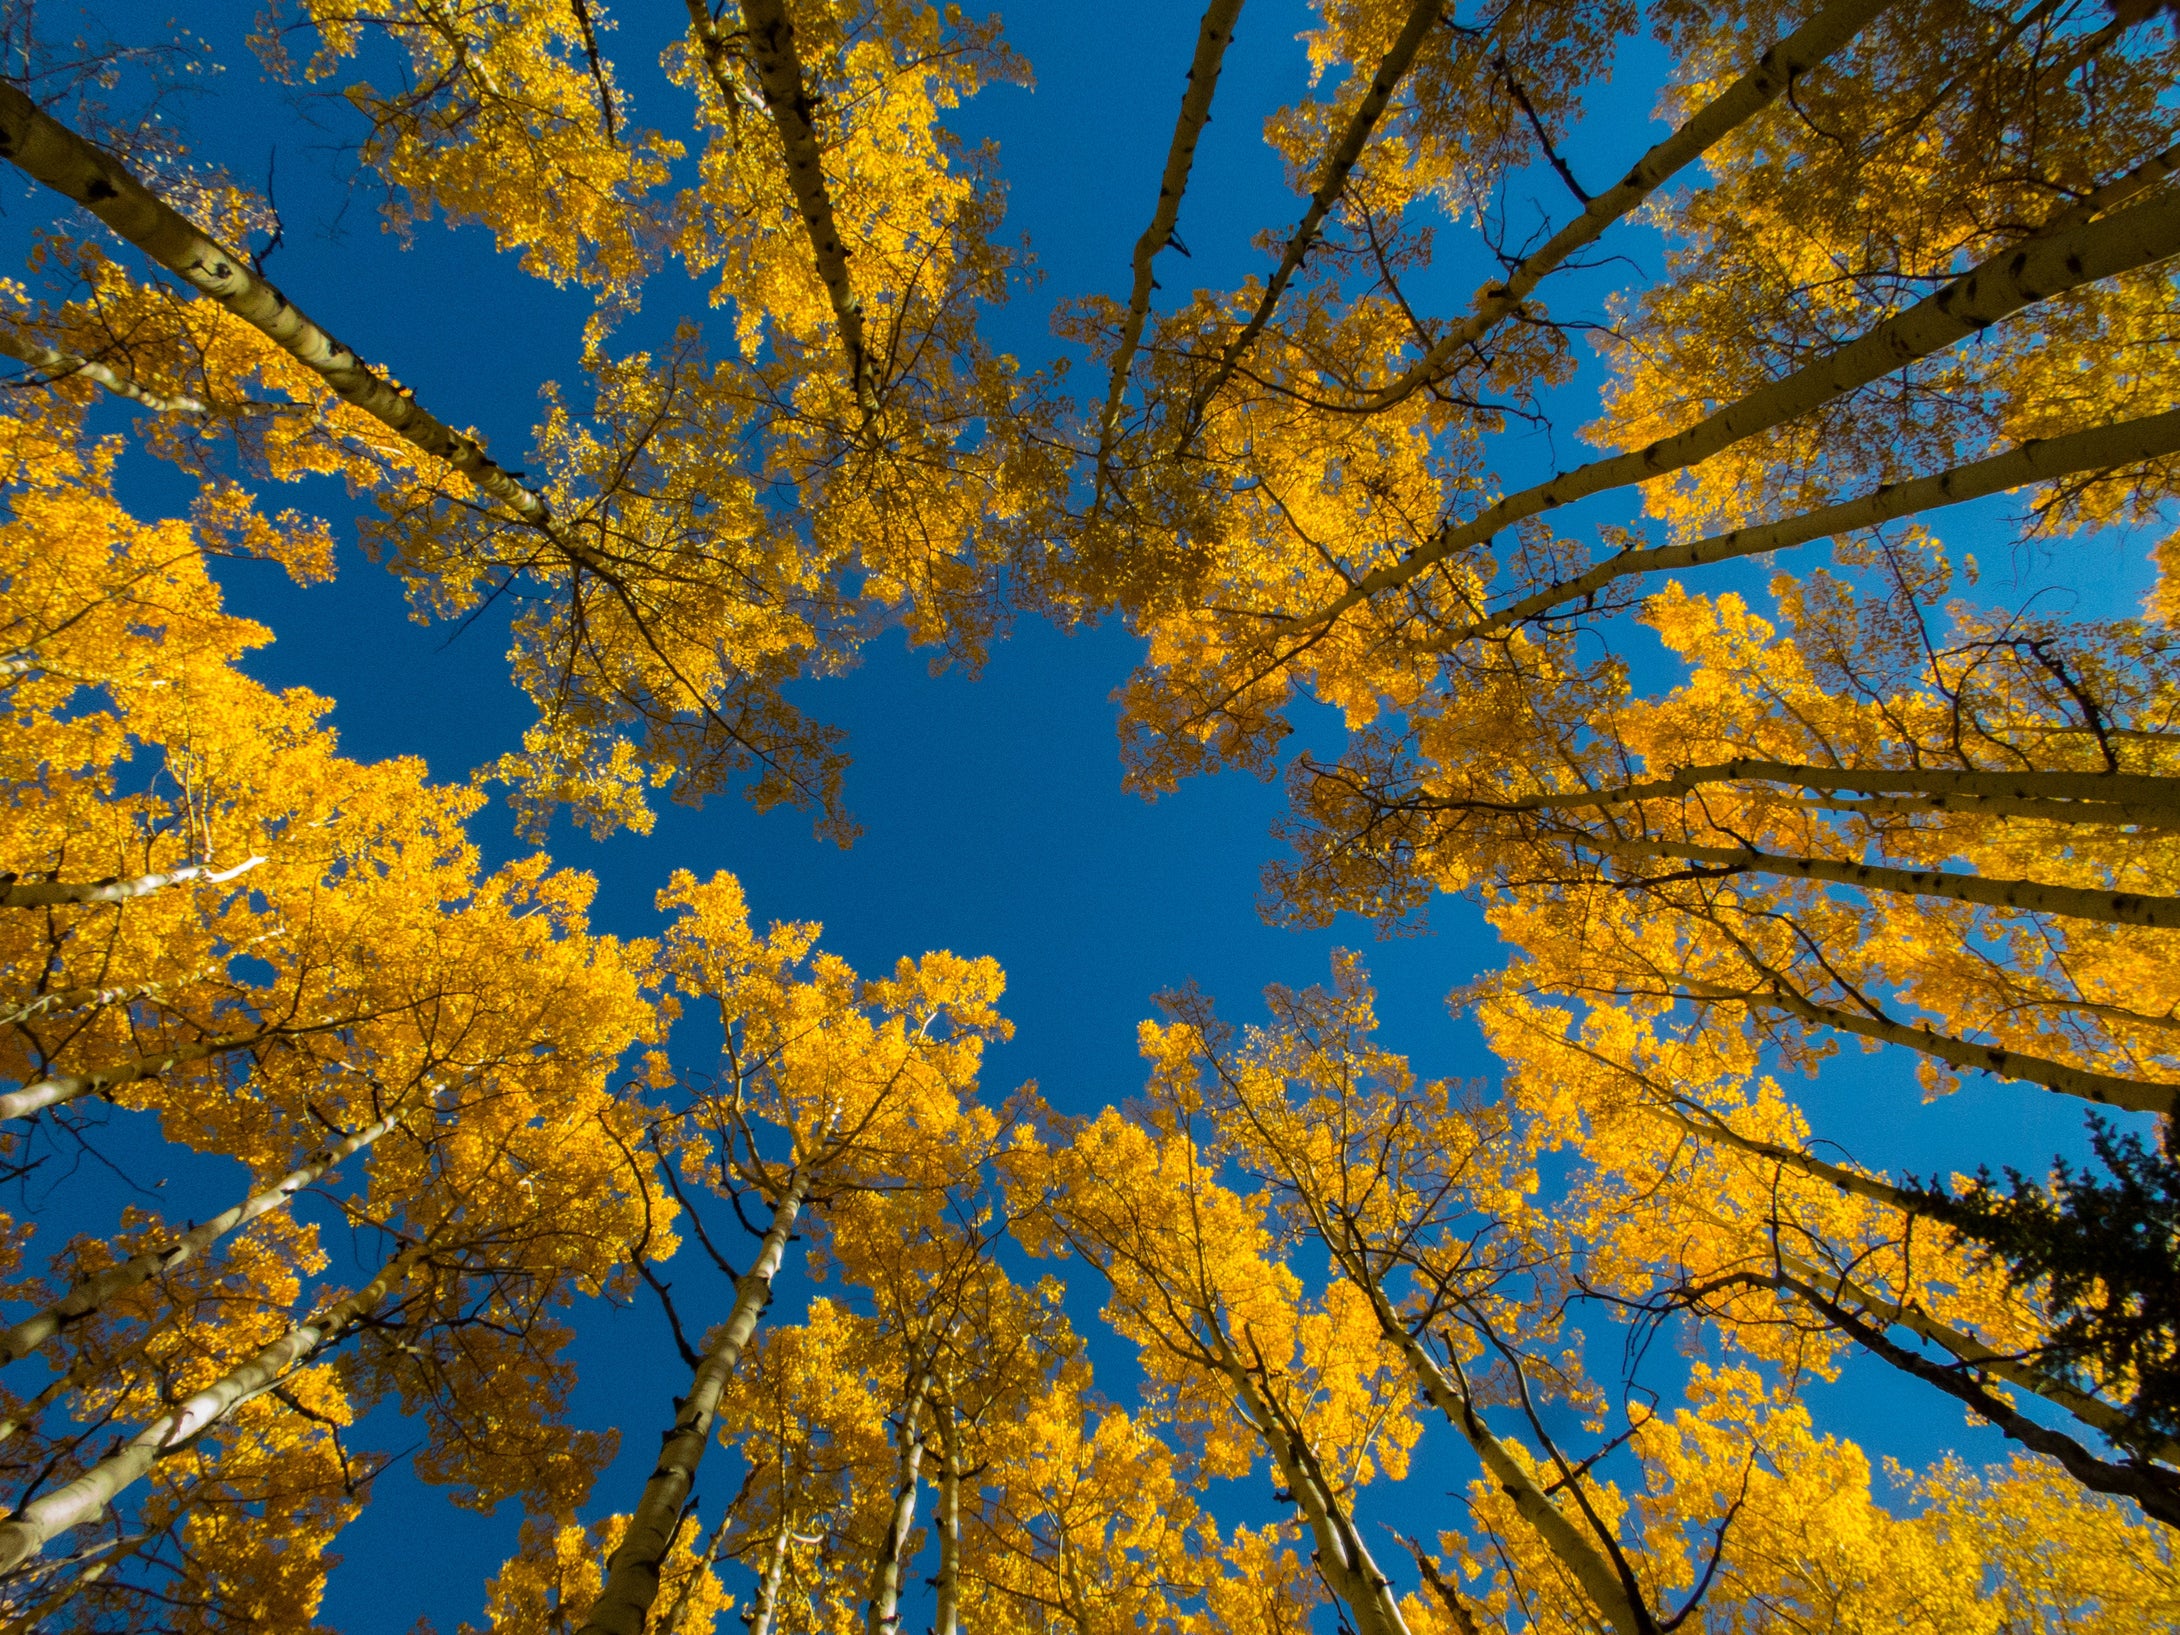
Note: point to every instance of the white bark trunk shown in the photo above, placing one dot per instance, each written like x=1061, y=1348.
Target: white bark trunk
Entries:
x=946, y=1612
x=1213, y=36
x=95, y=1291
x=1348, y=1567
x=2100, y=448
x=771, y=40
x=57, y=1088
x=50, y=153
x=1423, y=16
x=86, y=1498
x=2073, y=902
x=2065, y=255
x=882, y=1609
x=57, y=366
x=1600, y=1581
x=44, y=893
x=632, y=1572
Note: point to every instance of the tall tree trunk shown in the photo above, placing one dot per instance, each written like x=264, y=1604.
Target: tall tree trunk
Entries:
x=57, y=1088
x=58, y=366
x=771, y=40
x=2105, y=1089
x=1775, y=72
x=1348, y=1567
x=882, y=1608
x=2091, y=1411
x=85, y=1498
x=2040, y=459
x=1213, y=36
x=94, y=1291
x=2030, y=896
x=1937, y=785
x=632, y=1572
x=49, y=152
x=765, y=1605
x=2068, y=253
x=1423, y=16
x=116, y=889
x=946, y=1611
x=1615, y=1598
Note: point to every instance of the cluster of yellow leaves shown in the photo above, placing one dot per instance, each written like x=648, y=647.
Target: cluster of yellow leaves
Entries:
x=288, y=944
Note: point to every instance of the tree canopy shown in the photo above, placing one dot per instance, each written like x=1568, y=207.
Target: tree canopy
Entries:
x=1580, y=555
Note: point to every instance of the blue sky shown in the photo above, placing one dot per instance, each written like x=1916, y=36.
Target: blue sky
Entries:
x=993, y=814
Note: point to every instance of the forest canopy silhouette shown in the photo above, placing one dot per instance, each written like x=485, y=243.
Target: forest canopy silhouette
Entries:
x=1757, y=780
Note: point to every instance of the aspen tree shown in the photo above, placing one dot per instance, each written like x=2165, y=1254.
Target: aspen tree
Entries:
x=858, y=1081
x=1235, y=1356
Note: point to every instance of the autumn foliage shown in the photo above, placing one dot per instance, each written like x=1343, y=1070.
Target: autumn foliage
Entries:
x=1750, y=775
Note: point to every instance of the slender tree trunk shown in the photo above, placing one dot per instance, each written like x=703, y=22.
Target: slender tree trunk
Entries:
x=946, y=1611
x=96, y=1290
x=117, y=889
x=85, y=1498
x=2091, y=1411
x=58, y=366
x=2090, y=790
x=2154, y=1488
x=2068, y=253
x=2106, y=1089
x=1349, y=1569
x=1615, y=1601
x=50, y=153
x=2030, y=896
x=882, y=1608
x=58, y=1088
x=671, y=1623
x=771, y=38
x=632, y=1572
x=2040, y=459
x=1213, y=36
x=1775, y=71
x=1423, y=16
x=67, y=1592
x=767, y=1600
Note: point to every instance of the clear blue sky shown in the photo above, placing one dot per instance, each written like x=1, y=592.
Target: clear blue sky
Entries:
x=994, y=819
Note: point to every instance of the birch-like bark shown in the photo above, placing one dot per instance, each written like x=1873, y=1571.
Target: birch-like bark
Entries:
x=2040, y=459
x=63, y=1000
x=882, y=1605
x=1614, y=1600
x=771, y=37
x=58, y=1088
x=24, y=1534
x=96, y=1290
x=67, y=1592
x=1213, y=35
x=117, y=888
x=2105, y=1089
x=632, y=1572
x=1934, y=784
x=2103, y=814
x=767, y=1600
x=2074, y=902
x=2154, y=1488
x=1423, y=16
x=671, y=1623
x=946, y=1609
x=49, y=152
x=1775, y=72
x=58, y=366
x=2065, y=255
x=2090, y=1410
x=1348, y=1567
